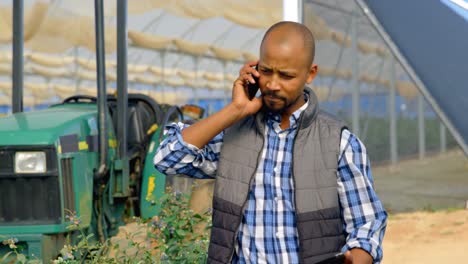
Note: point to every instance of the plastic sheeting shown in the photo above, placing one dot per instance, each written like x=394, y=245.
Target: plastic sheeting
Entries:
x=226, y=54
x=90, y=64
x=34, y=17
x=5, y=69
x=149, y=41
x=256, y=14
x=249, y=56
x=213, y=76
x=50, y=72
x=6, y=88
x=190, y=47
x=51, y=60
x=70, y=23
x=188, y=74
x=147, y=80
x=134, y=68
x=215, y=85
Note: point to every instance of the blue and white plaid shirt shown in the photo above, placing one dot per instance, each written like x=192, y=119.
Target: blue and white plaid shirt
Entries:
x=268, y=232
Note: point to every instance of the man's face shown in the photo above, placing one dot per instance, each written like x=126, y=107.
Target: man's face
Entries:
x=283, y=73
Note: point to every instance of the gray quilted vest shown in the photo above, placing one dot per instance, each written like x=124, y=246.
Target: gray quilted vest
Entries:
x=316, y=150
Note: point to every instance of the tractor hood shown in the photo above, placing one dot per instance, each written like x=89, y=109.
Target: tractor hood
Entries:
x=44, y=127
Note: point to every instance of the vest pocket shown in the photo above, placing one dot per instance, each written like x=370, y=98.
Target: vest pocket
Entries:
x=321, y=232
x=320, y=223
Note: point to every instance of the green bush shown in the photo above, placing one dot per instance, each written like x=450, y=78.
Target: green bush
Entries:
x=172, y=236
x=174, y=230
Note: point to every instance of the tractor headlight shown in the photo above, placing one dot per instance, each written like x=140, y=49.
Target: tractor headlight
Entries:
x=30, y=162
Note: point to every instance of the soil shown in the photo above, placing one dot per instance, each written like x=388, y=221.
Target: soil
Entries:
x=426, y=201
x=427, y=237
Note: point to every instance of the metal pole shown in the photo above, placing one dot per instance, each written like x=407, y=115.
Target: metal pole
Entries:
x=421, y=128
x=300, y=11
x=293, y=10
x=407, y=67
x=101, y=84
x=443, y=138
x=18, y=40
x=122, y=93
x=355, y=69
x=392, y=110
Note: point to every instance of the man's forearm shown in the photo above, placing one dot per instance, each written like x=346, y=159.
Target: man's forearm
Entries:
x=360, y=256
x=200, y=133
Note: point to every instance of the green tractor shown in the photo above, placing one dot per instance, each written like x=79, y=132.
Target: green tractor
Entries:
x=50, y=168
x=87, y=156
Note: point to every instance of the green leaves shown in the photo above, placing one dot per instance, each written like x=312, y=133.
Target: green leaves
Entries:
x=174, y=229
x=181, y=232
x=176, y=235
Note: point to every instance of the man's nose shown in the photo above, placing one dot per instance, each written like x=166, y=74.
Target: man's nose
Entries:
x=272, y=84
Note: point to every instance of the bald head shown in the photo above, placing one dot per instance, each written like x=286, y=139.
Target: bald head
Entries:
x=286, y=33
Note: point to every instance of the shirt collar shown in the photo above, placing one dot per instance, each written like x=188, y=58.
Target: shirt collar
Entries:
x=275, y=119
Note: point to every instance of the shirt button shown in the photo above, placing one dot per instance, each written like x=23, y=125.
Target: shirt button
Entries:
x=276, y=199
x=276, y=169
x=278, y=234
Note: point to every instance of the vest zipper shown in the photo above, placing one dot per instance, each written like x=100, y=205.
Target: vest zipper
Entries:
x=247, y=198
x=294, y=187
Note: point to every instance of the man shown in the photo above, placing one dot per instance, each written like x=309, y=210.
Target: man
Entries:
x=293, y=185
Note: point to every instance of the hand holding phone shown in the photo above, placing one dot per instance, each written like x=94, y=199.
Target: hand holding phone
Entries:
x=252, y=88
x=338, y=258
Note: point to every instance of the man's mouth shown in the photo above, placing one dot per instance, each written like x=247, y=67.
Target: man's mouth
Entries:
x=273, y=98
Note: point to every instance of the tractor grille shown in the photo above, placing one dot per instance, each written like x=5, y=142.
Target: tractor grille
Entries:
x=67, y=183
x=29, y=198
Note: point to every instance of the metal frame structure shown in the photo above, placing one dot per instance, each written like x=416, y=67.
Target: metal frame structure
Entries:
x=18, y=47
x=412, y=74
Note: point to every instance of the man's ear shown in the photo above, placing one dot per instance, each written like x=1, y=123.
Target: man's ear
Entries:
x=312, y=73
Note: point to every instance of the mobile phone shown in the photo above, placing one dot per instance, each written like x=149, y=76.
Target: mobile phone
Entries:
x=252, y=88
x=338, y=258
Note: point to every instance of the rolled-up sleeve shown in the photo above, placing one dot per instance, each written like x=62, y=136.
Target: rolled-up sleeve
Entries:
x=364, y=215
x=175, y=156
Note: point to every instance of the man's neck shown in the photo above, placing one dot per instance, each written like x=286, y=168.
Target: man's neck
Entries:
x=285, y=122
x=288, y=113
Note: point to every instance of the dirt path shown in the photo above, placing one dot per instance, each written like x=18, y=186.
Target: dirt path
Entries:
x=436, y=182
x=425, y=237
x=411, y=238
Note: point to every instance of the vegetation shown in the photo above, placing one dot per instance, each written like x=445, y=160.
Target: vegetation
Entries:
x=171, y=237
x=375, y=134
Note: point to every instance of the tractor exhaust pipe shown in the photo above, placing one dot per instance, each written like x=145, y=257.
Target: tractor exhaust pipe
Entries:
x=101, y=85
x=17, y=64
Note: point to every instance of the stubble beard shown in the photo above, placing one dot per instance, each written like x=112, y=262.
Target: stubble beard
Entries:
x=281, y=110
